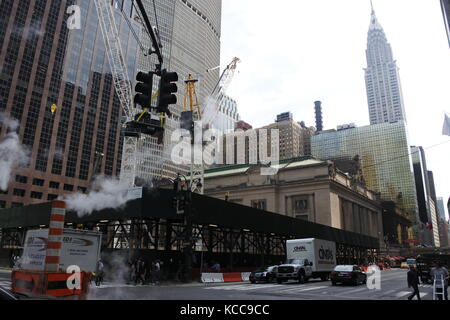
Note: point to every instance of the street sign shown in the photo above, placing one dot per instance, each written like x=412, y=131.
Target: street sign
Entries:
x=135, y=193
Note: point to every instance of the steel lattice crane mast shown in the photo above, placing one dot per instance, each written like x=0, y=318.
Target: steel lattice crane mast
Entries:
x=143, y=155
x=122, y=85
x=207, y=116
x=210, y=111
x=116, y=59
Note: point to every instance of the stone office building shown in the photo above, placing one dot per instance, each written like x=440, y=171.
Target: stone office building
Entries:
x=303, y=188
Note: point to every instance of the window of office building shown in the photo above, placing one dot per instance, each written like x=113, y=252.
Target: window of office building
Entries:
x=51, y=197
x=19, y=192
x=68, y=187
x=36, y=195
x=54, y=185
x=21, y=179
x=38, y=182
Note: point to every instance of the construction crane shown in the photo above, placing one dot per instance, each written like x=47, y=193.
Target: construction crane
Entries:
x=143, y=155
x=122, y=85
x=207, y=116
x=210, y=110
x=116, y=58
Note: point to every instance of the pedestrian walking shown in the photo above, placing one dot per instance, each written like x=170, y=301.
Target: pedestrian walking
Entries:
x=139, y=272
x=439, y=273
x=99, y=273
x=413, y=282
x=216, y=267
x=157, y=271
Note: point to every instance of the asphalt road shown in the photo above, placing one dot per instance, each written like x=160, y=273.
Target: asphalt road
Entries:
x=393, y=287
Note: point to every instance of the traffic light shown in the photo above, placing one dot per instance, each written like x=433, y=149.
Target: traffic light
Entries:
x=144, y=89
x=167, y=88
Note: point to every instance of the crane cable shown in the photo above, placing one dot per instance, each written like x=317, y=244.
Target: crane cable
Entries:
x=133, y=31
x=156, y=18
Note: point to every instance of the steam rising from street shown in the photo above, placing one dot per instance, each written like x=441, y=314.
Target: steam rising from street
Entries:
x=107, y=193
x=12, y=153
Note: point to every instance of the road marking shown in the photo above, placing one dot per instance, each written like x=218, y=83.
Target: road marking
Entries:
x=253, y=287
x=357, y=290
x=389, y=292
x=231, y=287
x=299, y=290
x=403, y=293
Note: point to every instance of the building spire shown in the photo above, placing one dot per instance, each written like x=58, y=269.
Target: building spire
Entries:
x=374, y=24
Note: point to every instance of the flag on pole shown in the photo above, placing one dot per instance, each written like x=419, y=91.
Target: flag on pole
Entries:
x=446, y=130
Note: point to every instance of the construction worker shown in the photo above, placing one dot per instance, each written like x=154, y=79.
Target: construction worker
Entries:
x=413, y=282
x=439, y=273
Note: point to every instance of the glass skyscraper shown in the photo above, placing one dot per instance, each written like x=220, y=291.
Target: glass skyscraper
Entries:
x=43, y=62
x=385, y=159
x=190, y=34
x=384, y=92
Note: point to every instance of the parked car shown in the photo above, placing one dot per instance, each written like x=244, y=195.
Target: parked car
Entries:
x=348, y=274
x=267, y=274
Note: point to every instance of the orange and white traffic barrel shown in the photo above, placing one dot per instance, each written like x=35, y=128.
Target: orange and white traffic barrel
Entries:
x=55, y=233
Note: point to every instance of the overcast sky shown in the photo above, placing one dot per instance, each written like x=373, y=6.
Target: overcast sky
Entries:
x=295, y=52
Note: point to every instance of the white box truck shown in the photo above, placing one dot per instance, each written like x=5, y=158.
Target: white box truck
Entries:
x=79, y=247
x=307, y=259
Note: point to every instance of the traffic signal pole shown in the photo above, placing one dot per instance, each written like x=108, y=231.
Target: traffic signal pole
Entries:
x=188, y=239
x=183, y=199
x=156, y=45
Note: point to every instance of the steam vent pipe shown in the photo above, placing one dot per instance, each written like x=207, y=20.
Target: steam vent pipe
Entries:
x=319, y=120
x=55, y=233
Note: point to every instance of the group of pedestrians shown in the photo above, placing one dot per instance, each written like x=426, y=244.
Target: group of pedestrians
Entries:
x=141, y=272
x=438, y=273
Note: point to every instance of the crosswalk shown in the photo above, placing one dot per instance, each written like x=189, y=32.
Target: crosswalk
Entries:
x=5, y=284
x=321, y=289
x=113, y=285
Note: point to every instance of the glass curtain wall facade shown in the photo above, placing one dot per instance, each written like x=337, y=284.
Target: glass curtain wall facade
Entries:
x=43, y=62
x=385, y=159
x=190, y=35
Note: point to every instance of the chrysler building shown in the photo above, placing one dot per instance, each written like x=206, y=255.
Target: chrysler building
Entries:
x=384, y=92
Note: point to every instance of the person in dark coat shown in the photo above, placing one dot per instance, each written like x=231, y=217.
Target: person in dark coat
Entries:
x=413, y=282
